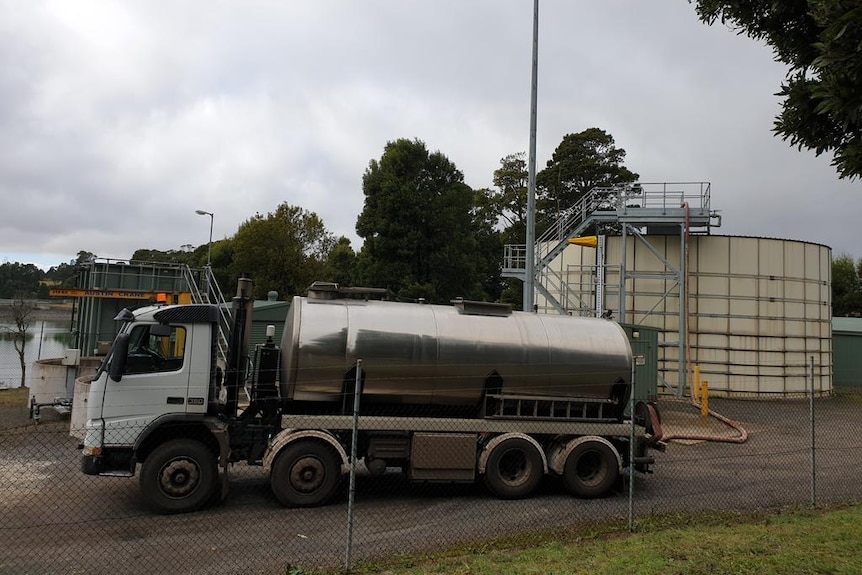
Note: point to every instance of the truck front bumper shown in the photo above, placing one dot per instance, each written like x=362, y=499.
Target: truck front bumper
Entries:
x=114, y=462
x=92, y=464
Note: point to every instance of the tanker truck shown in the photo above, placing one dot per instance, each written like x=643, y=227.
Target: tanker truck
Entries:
x=459, y=393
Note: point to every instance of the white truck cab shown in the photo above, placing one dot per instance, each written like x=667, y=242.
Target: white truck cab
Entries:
x=159, y=375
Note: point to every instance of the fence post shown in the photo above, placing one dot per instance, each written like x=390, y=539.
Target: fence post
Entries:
x=357, y=389
x=813, y=456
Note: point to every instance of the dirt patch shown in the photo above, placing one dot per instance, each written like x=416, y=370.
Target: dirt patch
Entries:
x=15, y=411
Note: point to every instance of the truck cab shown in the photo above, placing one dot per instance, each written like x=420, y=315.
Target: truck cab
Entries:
x=161, y=374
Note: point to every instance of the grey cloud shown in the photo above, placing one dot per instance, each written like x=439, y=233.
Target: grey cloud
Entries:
x=119, y=119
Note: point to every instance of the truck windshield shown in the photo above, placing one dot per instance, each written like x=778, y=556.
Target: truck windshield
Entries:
x=106, y=359
x=154, y=348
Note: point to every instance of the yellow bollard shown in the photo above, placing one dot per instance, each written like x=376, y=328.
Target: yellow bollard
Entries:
x=704, y=399
x=695, y=388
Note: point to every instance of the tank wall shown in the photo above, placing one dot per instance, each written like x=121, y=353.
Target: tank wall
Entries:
x=49, y=381
x=759, y=308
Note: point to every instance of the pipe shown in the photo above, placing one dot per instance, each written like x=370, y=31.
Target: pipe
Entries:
x=685, y=279
x=741, y=438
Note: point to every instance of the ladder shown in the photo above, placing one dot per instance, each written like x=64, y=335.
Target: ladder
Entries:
x=510, y=406
x=210, y=293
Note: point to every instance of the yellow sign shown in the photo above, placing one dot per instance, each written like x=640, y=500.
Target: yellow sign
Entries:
x=120, y=294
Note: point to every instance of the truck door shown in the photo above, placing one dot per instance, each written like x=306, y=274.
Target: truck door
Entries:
x=155, y=381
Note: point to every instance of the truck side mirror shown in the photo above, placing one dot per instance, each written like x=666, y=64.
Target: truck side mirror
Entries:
x=118, y=357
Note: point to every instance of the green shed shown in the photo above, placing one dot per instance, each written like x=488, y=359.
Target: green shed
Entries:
x=847, y=352
x=268, y=312
x=644, y=342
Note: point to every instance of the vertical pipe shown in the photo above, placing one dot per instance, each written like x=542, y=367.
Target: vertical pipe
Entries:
x=530, y=271
x=240, y=334
x=622, y=303
x=357, y=389
x=685, y=276
x=600, y=277
x=813, y=457
x=632, y=451
x=695, y=385
x=682, y=369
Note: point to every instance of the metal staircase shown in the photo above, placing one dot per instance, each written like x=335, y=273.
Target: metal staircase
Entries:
x=594, y=206
x=633, y=206
x=205, y=290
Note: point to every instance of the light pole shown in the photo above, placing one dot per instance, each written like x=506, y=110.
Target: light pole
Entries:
x=209, y=248
x=210, y=243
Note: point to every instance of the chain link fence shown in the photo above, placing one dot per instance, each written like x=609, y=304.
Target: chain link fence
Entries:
x=746, y=454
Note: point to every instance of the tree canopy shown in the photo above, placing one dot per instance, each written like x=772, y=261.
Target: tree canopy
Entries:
x=19, y=280
x=581, y=162
x=846, y=287
x=504, y=208
x=820, y=41
x=285, y=250
x=420, y=237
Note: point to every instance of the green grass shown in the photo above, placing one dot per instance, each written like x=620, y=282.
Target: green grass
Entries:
x=14, y=396
x=796, y=542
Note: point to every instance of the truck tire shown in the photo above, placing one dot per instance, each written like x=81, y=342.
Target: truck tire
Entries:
x=514, y=469
x=591, y=469
x=179, y=476
x=305, y=474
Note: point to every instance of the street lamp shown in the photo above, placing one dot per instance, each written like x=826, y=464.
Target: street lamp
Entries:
x=210, y=243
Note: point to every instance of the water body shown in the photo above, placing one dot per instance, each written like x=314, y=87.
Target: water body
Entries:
x=45, y=340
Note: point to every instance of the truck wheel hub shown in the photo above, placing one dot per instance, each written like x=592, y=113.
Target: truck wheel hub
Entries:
x=307, y=474
x=179, y=477
x=514, y=467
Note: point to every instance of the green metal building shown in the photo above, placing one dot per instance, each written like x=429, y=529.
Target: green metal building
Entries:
x=847, y=352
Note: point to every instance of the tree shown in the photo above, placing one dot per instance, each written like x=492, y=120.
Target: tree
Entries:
x=17, y=279
x=21, y=311
x=285, y=250
x=489, y=248
x=846, y=287
x=581, y=162
x=417, y=226
x=180, y=256
x=509, y=199
x=342, y=263
x=819, y=40
x=506, y=206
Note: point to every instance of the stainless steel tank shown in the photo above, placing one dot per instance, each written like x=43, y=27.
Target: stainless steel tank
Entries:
x=445, y=355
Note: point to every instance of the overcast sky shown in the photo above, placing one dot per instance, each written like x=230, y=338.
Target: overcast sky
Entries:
x=119, y=119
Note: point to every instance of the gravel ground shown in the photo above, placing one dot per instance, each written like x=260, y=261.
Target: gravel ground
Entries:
x=53, y=519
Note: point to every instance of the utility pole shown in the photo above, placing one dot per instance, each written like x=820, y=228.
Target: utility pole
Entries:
x=530, y=264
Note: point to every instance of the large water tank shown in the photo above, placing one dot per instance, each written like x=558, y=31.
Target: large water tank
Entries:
x=759, y=308
x=446, y=355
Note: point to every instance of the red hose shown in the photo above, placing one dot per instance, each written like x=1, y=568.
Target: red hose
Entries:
x=741, y=438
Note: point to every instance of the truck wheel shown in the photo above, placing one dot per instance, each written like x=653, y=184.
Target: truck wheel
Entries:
x=179, y=476
x=305, y=474
x=514, y=469
x=591, y=469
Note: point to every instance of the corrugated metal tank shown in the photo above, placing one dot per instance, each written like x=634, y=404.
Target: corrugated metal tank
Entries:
x=759, y=308
x=438, y=355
